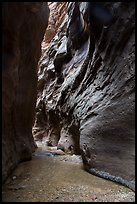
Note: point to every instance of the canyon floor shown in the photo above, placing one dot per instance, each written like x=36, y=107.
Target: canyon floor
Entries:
x=53, y=176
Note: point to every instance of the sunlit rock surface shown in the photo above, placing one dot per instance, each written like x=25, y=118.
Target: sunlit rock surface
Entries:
x=57, y=13
x=86, y=85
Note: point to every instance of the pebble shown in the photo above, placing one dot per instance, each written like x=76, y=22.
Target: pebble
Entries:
x=93, y=197
x=14, y=177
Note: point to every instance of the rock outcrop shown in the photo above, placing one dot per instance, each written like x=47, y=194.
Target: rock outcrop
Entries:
x=86, y=88
x=24, y=26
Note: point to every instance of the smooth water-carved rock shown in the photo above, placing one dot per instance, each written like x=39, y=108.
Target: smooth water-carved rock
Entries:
x=95, y=87
x=24, y=25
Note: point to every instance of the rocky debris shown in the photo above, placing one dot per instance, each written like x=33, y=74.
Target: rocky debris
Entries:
x=23, y=29
x=16, y=187
x=88, y=87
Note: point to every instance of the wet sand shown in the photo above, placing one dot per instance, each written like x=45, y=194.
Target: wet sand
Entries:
x=52, y=176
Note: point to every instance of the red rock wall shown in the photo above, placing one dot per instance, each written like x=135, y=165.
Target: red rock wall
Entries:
x=57, y=13
x=24, y=25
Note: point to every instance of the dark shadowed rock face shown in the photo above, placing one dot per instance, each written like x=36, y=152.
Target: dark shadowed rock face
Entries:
x=86, y=88
x=24, y=26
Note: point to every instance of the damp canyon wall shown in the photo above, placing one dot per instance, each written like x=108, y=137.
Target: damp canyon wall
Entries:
x=86, y=86
x=23, y=29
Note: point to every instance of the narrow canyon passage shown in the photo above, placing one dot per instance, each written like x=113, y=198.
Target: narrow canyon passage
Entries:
x=68, y=102
x=52, y=176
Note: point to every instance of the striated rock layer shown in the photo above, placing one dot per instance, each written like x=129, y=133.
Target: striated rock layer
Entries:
x=86, y=87
x=23, y=27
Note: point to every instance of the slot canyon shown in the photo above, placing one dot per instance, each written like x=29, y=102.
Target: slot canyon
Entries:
x=68, y=101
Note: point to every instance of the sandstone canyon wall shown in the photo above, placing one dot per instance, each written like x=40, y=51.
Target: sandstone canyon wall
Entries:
x=23, y=28
x=86, y=88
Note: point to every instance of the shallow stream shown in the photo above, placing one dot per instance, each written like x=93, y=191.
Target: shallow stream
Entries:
x=52, y=176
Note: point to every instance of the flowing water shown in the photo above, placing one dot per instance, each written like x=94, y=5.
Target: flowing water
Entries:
x=52, y=176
